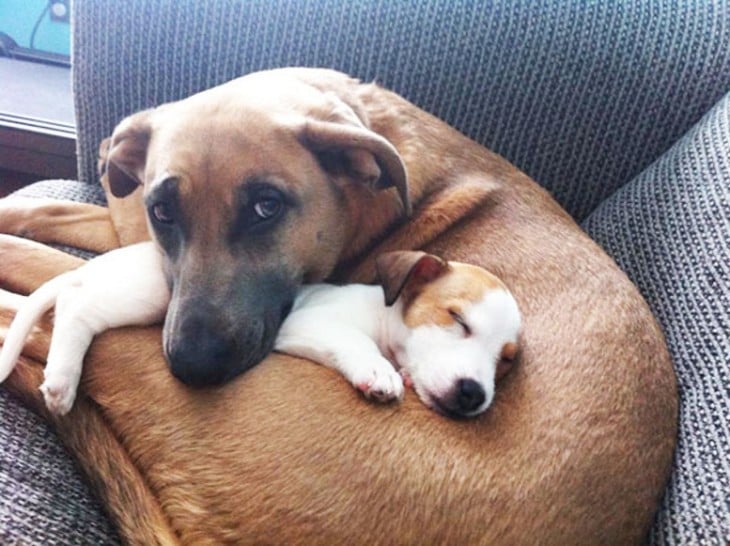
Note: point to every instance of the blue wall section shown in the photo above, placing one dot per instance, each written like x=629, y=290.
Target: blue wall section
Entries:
x=17, y=18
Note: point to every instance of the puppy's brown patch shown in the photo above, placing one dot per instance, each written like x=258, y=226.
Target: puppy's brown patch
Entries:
x=438, y=300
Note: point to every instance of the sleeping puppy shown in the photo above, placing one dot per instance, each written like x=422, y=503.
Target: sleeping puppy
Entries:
x=450, y=329
x=446, y=328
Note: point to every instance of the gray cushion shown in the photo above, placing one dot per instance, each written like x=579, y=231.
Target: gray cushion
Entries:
x=670, y=230
x=43, y=498
x=65, y=189
x=580, y=95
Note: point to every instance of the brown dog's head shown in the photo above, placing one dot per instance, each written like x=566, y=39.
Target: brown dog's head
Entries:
x=251, y=188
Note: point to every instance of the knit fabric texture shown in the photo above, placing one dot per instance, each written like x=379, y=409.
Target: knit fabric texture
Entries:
x=69, y=190
x=670, y=231
x=580, y=95
x=43, y=498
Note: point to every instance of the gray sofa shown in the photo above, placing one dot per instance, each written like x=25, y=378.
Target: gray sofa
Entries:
x=620, y=109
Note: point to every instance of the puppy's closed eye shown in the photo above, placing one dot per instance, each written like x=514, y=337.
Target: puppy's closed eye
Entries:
x=459, y=319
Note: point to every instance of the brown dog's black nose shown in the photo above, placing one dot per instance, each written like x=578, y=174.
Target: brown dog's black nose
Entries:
x=204, y=358
x=469, y=395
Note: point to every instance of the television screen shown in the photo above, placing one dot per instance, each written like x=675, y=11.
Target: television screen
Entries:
x=35, y=30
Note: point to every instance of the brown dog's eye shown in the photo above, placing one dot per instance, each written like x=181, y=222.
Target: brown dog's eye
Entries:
x=162, y=213
x=262, y=208
x=267, y=208
x=460, y=321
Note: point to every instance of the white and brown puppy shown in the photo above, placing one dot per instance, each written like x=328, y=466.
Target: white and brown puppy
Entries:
x=449, y=328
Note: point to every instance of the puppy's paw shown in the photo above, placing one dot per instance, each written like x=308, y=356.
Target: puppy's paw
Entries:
x=381, y=383
x=59, y=394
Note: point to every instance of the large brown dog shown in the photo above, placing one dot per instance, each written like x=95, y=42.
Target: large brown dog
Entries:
x=278, y=178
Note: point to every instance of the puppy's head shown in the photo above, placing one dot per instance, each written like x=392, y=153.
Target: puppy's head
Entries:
x=251, y=188
x=463, y=327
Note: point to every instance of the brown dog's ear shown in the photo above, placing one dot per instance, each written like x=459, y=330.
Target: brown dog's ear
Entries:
x=407, y=268
x=127, y=154
x=103, y=155
x=343, y=143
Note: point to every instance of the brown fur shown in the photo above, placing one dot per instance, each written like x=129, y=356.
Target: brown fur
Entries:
x=575, y=449
x=54, y=221
x=86, y=434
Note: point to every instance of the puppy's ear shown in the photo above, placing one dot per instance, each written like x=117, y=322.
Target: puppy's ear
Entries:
x=506, y=360
x=127, y=154
x=407, y=270
x=344, y=145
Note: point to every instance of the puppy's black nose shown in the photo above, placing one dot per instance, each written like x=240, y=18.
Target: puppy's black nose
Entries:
x=469, y=395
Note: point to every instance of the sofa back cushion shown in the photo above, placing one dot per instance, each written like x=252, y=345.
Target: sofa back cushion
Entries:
x=581, y=96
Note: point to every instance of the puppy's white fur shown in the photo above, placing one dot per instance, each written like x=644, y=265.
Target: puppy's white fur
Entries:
x=120, y=288
x=348, y=328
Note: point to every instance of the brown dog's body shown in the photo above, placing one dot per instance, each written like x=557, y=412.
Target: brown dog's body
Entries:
x=575, y=449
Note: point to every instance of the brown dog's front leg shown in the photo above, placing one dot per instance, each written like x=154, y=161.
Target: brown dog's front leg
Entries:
x=80, y=225
x=27, y=264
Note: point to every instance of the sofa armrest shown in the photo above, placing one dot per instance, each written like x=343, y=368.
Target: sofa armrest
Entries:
x=668, y=229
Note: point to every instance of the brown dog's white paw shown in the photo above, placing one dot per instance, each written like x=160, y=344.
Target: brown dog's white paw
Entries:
x=59, y=394
x=380, y=383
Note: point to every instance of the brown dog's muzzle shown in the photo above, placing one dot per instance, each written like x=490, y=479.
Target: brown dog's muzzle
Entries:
x=202, y=354
x=209, y=341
